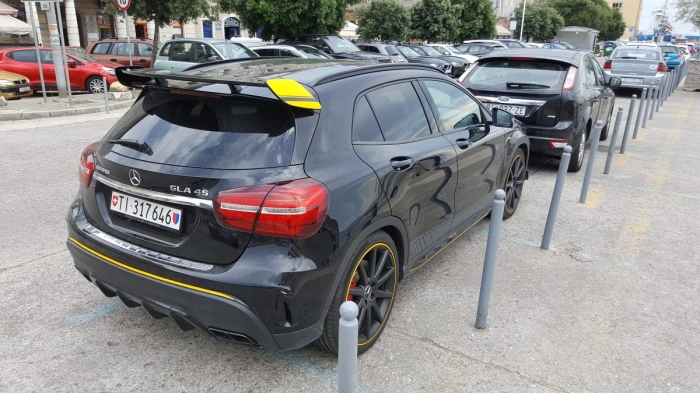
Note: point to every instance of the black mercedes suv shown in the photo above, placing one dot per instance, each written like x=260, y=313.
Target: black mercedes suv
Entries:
x=250, y=198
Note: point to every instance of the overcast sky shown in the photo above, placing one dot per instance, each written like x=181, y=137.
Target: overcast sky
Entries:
x=646, y=20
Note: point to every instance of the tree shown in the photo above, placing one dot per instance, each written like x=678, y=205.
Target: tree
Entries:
x=474, y=18
x=689, y=11
x=433, y=20
x=596, y=14
x=541, y=21
x=383, y=19
x=163, y=12
x=278, y=18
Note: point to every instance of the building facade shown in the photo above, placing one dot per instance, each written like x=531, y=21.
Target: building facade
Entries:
x=84, y=22
x=631, y=12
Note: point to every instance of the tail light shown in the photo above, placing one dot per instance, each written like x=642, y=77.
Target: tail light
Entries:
x=290, y=210
x=570, y=80
x=661, y=68
x=87, y=165
x=607, y=65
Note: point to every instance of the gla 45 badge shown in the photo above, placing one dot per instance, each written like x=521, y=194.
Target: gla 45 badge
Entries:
x=187, y=190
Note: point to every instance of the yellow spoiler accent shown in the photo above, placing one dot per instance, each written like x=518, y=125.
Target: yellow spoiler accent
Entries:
x=293, y=93
x=150, y=275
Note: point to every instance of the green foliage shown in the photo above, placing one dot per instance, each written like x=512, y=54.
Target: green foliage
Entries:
x=280, y=18
x=689, y=11
x=383, y=19
x=475, y=19
x=541, y=21
x=596, y=14
x=433, y=20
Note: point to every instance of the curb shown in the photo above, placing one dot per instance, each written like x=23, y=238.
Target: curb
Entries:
x=18, y=115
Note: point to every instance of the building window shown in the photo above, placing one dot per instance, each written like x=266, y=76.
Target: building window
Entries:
x=617, y=5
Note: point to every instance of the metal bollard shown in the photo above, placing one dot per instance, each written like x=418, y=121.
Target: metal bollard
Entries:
x=556, y=196
x=490, y=258
x=639, y=113
x=347, y=348
x=626, y=134
x=104, y=84
x=660, y=93
x=667, y=91
x=654, y=94
x=667, y=82
x=613, y=140
x=591, y=160
x=646, y=108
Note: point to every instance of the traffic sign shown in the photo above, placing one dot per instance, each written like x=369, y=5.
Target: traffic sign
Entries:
x=123, y=5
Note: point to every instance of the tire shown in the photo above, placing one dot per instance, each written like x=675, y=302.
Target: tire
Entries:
x=94, y=84
x=578, y=154
x=515, y=180
x=606, y=130
x=370, y=250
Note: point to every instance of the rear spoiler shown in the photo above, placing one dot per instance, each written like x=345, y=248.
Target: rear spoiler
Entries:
x=290, y=91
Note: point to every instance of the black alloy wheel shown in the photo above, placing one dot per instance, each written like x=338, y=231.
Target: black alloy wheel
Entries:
x=370, y=282
x=515, y=180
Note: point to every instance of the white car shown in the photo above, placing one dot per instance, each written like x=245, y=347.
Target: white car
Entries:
x=685, y=51
x=449, y=50
x=302, y=51
x=495, y=42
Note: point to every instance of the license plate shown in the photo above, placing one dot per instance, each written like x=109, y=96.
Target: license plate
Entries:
x=516, y=110
x=145, y=210
x=23, y=89
x=632, y=80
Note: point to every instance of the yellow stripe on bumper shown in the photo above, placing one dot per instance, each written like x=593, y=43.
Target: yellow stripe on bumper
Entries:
x=147, y=274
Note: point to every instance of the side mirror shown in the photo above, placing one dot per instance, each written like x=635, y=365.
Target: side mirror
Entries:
x=213, y=58
x=501, y=118
x=71, y=63
x=615, y=82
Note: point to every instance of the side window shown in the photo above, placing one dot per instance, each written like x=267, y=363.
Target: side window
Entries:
x=364, y=124
x=165, y=50
x=266, y=52
x=287, y=53
x=590, y=71
x=24, y=56
x=399, y=112
x=457, y=110
x=181, y=51
x=598, y=72
x=203, y=52
x=441, y=50
x=46, y=56
x=101, y=48
x=514, y=45
x=119, y=49
x=373, y=49
x=145, y=50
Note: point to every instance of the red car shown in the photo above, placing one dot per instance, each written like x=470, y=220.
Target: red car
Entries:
x=85, y=72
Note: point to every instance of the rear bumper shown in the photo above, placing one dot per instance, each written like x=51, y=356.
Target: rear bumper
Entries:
x=540, y=137
x=646, y=81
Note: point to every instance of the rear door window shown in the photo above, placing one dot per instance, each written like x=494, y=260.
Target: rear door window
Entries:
x=399, y=112
x=24, y=56
x=120, y=49
x=101, y=49
x=181, y=51
x=223, y=133
x=145, y=50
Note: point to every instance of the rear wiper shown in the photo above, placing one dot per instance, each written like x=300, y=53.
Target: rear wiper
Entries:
x=526, y=85
x=140, y=146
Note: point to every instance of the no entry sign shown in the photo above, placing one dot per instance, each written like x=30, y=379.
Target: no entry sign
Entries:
x=123, y=5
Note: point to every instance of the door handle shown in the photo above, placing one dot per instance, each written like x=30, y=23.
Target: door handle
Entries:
x=464, y=143
x=170, y=66
x=142, y=61
x=113, y=60
x=402, y=163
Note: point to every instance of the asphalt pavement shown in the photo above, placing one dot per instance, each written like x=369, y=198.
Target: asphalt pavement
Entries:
x=612, y=307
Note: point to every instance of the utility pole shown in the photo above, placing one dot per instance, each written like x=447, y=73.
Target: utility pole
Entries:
x=58, y=64
x=522, y=23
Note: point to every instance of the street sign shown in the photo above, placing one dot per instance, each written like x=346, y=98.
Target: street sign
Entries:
x=123, y=5
x=44, y=5
x=511, y=16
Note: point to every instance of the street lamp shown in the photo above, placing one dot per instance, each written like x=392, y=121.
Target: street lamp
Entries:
x=522, y=23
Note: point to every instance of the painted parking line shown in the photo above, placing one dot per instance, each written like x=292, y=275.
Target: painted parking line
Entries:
x=621, y=159
x=594, y=196
x=680, y=154
x=97, y=312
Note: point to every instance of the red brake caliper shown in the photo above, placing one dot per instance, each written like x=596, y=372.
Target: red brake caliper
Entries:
x=353, y=284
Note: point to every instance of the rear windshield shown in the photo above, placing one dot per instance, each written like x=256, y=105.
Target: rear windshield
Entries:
x=391, y=50
x=636, y=53
x=528, y=74
x=669, y=49
x=192, y=131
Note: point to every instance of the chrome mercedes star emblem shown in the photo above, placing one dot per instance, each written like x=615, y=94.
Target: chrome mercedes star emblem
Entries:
x=134, y=177
x=503, y=98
